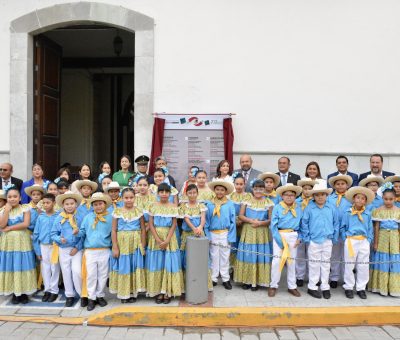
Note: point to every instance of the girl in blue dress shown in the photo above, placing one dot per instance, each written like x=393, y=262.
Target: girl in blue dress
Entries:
x=253, y=270
x=127, y=276
x=17, y=259
x=164, y=276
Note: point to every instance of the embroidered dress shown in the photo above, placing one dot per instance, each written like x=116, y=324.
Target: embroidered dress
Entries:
x=250, y=268
x=205, y=194
x=17, y=259
x=194, y=214
x=385, y=278
x=163, y=267
x=143, y=203
x=127, y=276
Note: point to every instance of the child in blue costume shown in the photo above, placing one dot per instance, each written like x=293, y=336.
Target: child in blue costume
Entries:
x=271, y=181
x=35, y=193
x=86, y=189
x=113, y=190
x=373, y=183
x=395, y=180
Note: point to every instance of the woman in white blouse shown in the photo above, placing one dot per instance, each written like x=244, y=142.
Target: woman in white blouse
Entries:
x=223, y=172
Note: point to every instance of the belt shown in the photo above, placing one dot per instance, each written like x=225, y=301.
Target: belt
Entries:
x=285, y=253
x=219, y=231
x=350, y=245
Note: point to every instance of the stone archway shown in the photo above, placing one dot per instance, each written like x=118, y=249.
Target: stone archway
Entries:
x=23, y=30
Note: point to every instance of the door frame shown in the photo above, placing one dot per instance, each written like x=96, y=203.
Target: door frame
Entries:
x=22, y=32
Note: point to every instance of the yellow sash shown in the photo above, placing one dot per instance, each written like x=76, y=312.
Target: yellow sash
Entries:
x=350, y=245
x=219, y=231
x=358, y=212
x=339, y=198
x=305, y=202
x=292, y=208
x=84, y=293
x=218, y=203
x=285, y=253
x=55, y=253
x=99, y=218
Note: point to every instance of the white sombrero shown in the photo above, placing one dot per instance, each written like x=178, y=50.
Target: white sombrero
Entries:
x=369, y=179
x=306, y=181
x=289, y=187
x=320, y=188
x=345, y=178
x=99, y=196
x=112, y=186
x=227, y=185
x=3, y=195
x=392, y=179
x=272, y=175
x=69, y=194
x=360, y=190
x=87, y=182
x=35, y=187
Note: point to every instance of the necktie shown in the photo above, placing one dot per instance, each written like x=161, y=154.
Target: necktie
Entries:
x=246, y=175
x=284, y=179
x=6, y=182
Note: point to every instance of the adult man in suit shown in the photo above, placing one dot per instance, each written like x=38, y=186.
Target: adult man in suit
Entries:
x=247, y=171
x=161, y=163
x=6, y=170
x=342, y=164
x=376, y=165
x=284, y=173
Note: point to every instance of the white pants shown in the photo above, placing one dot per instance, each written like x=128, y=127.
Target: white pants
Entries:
x=337, y=269
x=291, y=239
x=361, y=254
x=50, y=272
x=71, y=268
x=97, y=272
x=219, y=257
x=301, y=266
x=316, y=270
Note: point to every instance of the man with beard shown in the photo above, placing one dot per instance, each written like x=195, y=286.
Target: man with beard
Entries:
x=376, y=165
x=247, y=171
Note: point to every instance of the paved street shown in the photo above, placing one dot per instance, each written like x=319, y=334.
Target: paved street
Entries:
x=32, y=331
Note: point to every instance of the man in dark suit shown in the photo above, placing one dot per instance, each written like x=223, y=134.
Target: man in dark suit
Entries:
x=342, y=164
x=247, y=171
x=284, y=173
x=161, y=163
x=6, y=170
x=376, y=165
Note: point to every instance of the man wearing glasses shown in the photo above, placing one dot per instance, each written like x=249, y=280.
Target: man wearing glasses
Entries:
x=6, y=170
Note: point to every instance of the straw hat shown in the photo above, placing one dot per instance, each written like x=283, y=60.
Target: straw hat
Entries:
x=275, y=177
x=99, y=196
x=345, y=178
x=369, y=179
x=84, y=182
x=227, y=185
x=289, y=187
x=306, y=181
x=392, y=179
x=360, y=190
x=3, y=195
x=320, y=187
x=112, y=186
x=69, y=194
x=35, y=187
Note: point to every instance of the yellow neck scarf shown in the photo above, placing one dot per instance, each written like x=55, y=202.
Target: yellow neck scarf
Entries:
x=218, y=203
x=339, y=198
x=397, y=199
x=115, y=202
x=292, y=208
x=271, y=194
x=86, y=202
x=358, y=212
x=305, y=201
x=99, y=218
x=70, y=218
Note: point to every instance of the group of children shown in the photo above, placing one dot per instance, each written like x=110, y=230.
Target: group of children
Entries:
x=135, y=237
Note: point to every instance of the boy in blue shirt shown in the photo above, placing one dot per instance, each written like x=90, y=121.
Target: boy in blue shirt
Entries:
x=220, y=228
x=340, y=183
x=357, y=231
x=95, y=231
x=43, y=248
x=320, y=230
x=373, y=183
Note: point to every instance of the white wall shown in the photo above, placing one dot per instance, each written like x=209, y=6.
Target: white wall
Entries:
x=310, y=76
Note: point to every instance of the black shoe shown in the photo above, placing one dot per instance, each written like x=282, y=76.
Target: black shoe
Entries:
x=314, y=293
x=46, y=297
x=318, y=283
x=131, y=300
x=326, y=294
x=227, y=285
x=102, y=302
x=349, y=293
x=84, y=301
x=246, y=287
x=214, y=283
x=333, y=284
x=69, y=302
x=24, y=299
x=15, y=299
x=299, y=283
x=52, y=297
x=254, y=289
x=91, y=305
x=362, y=294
